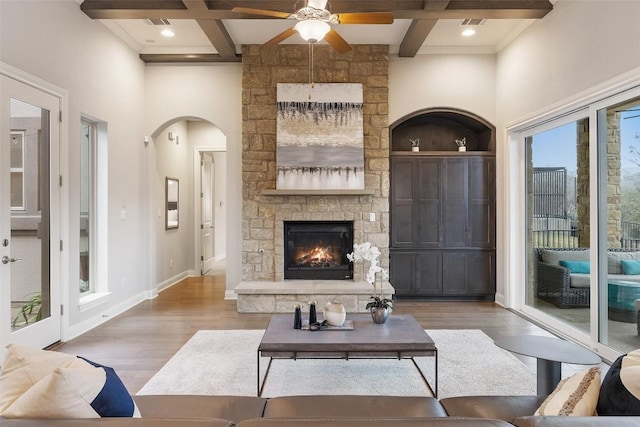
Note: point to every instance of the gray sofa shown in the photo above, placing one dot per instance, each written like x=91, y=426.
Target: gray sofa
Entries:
x=321, y=411
x=557, y=285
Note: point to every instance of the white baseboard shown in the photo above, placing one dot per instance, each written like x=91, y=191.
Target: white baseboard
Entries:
x=230, y=294
x=104, y=316
x=173, y=280
x=500, y=300
x=220, y=257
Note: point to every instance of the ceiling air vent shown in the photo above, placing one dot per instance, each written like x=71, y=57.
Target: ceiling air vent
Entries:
x=157, y=22
x=472, y=21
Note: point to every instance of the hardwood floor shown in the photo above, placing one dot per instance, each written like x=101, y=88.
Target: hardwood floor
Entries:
x=140, y=341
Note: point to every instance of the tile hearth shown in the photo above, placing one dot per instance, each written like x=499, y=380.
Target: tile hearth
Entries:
x=281, y=297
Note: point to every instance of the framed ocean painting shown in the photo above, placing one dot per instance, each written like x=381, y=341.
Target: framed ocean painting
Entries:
x=320, y=136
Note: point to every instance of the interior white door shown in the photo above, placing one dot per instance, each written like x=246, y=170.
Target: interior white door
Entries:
x=207, y=230
x=29, y=220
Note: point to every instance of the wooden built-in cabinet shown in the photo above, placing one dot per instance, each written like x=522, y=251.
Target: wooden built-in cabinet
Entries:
x=442, y=209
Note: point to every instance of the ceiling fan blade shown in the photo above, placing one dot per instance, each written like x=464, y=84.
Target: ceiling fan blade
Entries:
x=365, y=18
x=337, y=42
x=281, y=37
x=263, y=12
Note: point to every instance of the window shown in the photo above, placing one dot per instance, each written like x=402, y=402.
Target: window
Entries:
x=87, y=142
x=93, y=224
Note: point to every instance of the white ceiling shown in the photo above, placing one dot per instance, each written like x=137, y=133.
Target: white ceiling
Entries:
x=446, y=36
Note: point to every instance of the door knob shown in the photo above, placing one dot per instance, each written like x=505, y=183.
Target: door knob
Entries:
x=7, y=260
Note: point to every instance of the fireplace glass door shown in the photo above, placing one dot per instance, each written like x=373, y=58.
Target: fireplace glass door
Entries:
x=317, y=250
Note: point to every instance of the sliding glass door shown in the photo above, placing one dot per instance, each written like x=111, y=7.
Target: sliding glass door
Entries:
x=558, y=220
x=580, y=185
x=619, y=231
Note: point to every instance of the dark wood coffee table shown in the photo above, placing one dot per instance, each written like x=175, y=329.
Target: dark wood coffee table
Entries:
x=401, y=337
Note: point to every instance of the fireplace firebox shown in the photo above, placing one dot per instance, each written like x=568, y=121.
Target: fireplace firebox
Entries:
x=317, y=250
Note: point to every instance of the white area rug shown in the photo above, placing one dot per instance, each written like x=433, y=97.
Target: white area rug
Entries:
x=224, y=363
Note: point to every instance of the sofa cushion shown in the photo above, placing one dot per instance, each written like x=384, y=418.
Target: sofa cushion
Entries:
x=583, y=267
x=574, y=396
x=372, y=422
x=620, y=390
x=613, y=260
x=498, y=407
x=234, y=408
x=80, y=390
x=630, y=266
x=552, y=421
x=353, y=406
x=554, y=257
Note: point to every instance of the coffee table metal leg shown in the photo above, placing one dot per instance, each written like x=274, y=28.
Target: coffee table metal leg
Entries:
x=549, y=373
x=264, y=380
x=424, y=378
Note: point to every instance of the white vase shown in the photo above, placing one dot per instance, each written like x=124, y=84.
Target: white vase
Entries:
x=334, y=313
x=415, y=149
x=462, y=148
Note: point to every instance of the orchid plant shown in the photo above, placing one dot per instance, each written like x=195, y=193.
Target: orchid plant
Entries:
x=366, y=252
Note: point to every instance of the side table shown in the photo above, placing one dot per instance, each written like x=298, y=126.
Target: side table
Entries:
x=550, y=353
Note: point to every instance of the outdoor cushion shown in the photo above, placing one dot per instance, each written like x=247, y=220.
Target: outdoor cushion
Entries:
x=630, y=266
x=582, y=267
x=550, y=256
x=614, y=258
x=580, y=280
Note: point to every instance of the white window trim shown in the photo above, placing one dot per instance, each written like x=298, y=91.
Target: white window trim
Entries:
x=98, y=246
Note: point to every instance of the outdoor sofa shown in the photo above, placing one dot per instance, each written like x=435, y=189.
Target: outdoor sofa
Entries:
x=564, y=288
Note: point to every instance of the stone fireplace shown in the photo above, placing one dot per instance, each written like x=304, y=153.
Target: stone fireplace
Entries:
x=265, y=287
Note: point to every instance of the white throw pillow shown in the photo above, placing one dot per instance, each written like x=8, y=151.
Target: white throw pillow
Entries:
x=24, y=366
x=574, y=396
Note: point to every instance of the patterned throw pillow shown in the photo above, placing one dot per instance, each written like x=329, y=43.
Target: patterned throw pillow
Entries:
x=45, y=384
x=574, y=396
x=620, y=390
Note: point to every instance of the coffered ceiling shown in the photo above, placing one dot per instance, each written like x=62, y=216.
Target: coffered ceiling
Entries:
x=209, y=31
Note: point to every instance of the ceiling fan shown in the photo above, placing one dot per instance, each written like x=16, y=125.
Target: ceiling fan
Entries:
x=314, y=19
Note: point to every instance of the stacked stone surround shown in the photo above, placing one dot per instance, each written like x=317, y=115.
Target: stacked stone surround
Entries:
x=263, y=214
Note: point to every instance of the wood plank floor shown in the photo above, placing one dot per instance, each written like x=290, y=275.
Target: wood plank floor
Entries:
x=140, y=341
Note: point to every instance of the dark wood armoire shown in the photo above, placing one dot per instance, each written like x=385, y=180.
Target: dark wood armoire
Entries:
x=442, y=206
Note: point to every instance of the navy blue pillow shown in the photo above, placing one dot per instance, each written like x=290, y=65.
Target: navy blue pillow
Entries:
x=114, y=399
x=614, y=398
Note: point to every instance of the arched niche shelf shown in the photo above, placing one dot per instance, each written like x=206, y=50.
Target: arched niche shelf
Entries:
x=439, y=128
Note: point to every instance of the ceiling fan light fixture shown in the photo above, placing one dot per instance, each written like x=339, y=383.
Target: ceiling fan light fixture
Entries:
x=312, y=31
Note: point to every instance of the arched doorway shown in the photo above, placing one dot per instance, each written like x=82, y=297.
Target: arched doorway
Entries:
x=197, y=237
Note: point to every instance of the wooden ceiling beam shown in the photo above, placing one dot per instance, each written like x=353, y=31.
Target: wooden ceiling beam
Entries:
x=214, y=30
x=401, y=9
x=419, y=30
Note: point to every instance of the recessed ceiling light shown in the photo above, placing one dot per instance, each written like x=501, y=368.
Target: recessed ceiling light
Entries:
x=167, y=33
x=468, y=32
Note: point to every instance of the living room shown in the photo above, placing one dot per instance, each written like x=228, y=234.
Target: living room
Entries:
x=558, y=65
